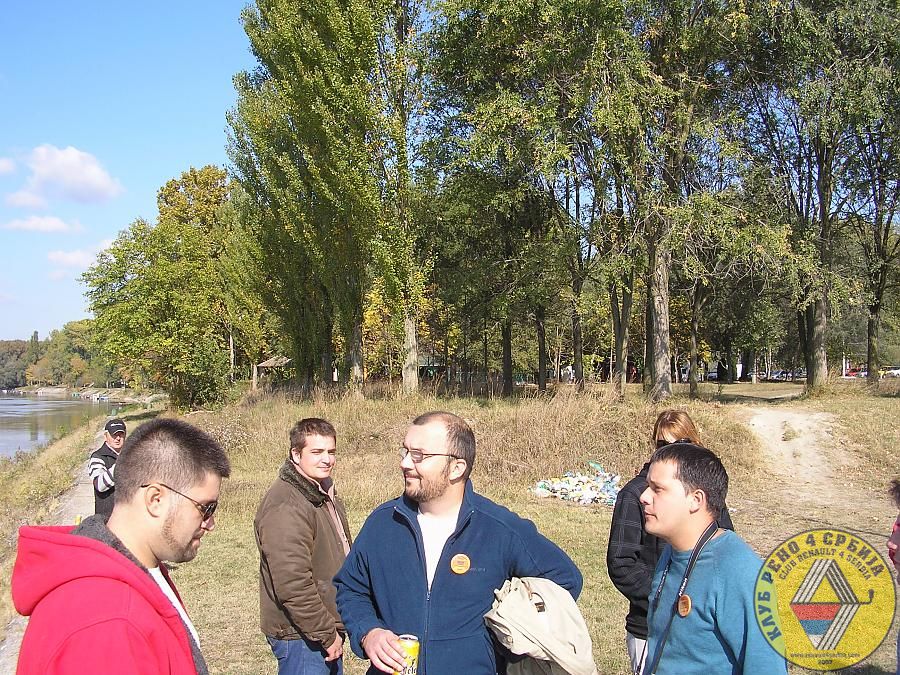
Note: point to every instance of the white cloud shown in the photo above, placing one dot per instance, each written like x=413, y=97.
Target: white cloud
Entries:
x=72, y=262
x=41, y=224
x=66, y=173
x=25, y=200
x=79, y=258
x=6, y=165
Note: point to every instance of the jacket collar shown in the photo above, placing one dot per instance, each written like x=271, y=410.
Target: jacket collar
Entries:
x=410, y=509
x=309, y=489
x=95, y=528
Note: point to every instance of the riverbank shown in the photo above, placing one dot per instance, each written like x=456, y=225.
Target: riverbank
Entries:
x=111, y=394
x=31, y=485
x=44, y=487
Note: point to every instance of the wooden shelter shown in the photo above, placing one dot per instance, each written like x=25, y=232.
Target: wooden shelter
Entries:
x=274, y=362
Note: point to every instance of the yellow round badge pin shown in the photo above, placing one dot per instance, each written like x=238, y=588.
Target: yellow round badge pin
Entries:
x=460, y=563
x=825, y=599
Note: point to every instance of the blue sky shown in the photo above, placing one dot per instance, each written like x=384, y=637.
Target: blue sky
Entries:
x=100, y=104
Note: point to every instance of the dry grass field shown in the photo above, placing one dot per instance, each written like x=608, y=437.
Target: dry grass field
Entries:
x=518, y=442
x=793, y=464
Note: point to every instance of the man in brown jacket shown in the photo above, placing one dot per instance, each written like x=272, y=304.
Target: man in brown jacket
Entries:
x=303, y=538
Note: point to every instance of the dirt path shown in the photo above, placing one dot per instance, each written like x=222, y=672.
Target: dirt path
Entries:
x=78, y=501
x=804, y=485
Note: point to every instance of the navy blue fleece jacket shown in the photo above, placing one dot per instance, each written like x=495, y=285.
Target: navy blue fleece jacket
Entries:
x=383, y=581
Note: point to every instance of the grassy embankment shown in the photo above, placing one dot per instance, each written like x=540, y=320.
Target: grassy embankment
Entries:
x=518, y=443
x=30, y=482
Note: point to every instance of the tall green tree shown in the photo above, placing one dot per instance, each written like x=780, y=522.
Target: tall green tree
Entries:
x=805, y=79
x=302, y=142
x=869, y=38
x=153, y=297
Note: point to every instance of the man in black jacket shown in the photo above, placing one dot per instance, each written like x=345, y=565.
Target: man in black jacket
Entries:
x=102, y=467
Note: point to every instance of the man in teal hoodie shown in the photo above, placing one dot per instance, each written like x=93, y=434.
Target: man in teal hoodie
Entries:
x=701, y=617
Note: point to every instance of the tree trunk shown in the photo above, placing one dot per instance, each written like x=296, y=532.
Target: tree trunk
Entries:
x=730, y=361
x=506, y=338
x=803, y=339
x=355, y=354
x=558, y=360
x=661, y=386
x=817, y=368
x=746, y=365
x=621, y=316
x=872, y=326
x=484, y=337
x=410, y=354
x=577, y=344
x=541, y=329
x=647, y=374
x=693, y=383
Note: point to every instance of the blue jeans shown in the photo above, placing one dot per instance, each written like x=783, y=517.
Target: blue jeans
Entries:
x=302, y=657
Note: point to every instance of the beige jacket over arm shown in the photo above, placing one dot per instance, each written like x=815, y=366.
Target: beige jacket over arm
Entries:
x=538, y=618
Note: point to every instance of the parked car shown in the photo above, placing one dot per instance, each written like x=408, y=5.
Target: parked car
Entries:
x=891, y=371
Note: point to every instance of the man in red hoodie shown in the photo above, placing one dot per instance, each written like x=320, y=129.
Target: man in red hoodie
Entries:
x=99, y=596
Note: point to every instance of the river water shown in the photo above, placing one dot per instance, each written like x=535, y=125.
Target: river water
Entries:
x=28, y=422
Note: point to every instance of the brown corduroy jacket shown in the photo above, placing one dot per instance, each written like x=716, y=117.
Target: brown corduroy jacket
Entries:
x=299, y=554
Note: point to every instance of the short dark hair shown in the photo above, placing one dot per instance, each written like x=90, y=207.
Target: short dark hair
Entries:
x=310, y=426
x=699, y=469
x=460, y=438
x=168, y=451
x=894, y=492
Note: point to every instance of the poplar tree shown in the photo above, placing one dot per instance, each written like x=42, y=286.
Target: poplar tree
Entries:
x=303, y=133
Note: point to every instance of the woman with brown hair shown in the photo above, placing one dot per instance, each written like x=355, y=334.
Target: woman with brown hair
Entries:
x=632, y=553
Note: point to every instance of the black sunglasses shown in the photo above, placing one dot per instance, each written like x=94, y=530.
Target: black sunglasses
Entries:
x=207, y=510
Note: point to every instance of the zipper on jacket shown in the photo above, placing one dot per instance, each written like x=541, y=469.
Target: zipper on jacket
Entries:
x=420, y=543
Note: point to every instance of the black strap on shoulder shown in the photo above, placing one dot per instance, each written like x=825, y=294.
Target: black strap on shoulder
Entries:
x=698, y=548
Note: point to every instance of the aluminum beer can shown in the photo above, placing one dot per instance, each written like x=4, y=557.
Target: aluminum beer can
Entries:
x=410, y=646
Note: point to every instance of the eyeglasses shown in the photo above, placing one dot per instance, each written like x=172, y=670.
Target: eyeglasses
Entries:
x=416, y=456
x=206, y=510
x=661, y=442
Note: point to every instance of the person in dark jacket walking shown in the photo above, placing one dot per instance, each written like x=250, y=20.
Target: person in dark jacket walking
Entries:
x=102, y=467
x=303, y=537
x=632, y=552
x=428, y=562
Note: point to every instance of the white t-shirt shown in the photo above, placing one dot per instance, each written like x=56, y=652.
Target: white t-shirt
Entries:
x=436, y=530
x=170, y=594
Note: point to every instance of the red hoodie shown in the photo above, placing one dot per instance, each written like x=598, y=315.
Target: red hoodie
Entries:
x=93, y=610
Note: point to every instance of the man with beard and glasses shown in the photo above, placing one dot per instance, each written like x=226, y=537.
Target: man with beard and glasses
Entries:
x=428, y=562
x=99, y=595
